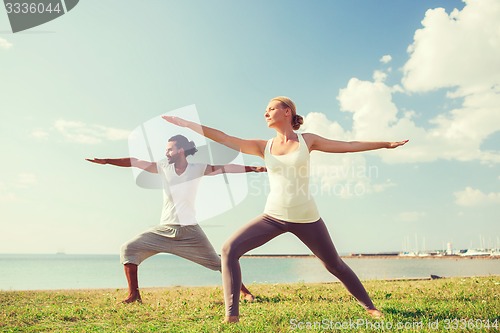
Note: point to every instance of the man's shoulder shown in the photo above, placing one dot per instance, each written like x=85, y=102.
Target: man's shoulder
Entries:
x=198, y=167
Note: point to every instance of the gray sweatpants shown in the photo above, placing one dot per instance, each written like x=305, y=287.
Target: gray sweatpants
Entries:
x=189, y=242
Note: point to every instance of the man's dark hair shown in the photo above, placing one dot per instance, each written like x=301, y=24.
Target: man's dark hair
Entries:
x=182, y=142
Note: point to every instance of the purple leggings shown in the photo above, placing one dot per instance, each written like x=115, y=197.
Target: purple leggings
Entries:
x=264, y=228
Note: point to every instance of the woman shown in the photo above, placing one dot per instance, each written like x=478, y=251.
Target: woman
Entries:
x=289, y=207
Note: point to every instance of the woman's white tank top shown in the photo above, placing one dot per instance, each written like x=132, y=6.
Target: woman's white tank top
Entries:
x=289, y=196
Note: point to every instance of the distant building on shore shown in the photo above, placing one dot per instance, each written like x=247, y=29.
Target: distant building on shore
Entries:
x=378, y=254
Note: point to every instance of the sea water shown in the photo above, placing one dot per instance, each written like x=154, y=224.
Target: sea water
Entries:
x=65, y=271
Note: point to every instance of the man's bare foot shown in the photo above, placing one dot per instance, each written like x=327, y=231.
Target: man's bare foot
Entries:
x=232, y=319
x=132, y=298
x=374, y=313
x=247, y=297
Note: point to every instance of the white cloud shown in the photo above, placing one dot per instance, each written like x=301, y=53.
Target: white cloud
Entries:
x=26, y=179
x=464, y=65
x=4, y=44
x=460, y=51
x=386, y=59
x=114, y=133
x=380, y=187
x=39, y=134
x=371, y=105
x=412, y=216
x=376, y=117
x=472, y=197
x=10, y=192
x=455, y=135
x=343, y=175
x=379, y=76
x=456, y=50
x=6, y=195
x=88, y=134
x=316, y=122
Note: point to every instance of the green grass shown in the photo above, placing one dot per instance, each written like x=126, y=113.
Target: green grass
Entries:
x=444, y=305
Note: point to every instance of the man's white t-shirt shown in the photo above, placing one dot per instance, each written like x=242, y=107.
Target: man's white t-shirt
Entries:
x=179, y=192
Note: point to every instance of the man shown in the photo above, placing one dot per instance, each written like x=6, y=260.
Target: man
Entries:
x=178, y=232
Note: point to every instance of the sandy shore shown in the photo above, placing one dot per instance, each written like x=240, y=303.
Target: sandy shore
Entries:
x=376, y=256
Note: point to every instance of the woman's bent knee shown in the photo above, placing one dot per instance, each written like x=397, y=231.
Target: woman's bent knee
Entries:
x=337, y=267
x=230, y=251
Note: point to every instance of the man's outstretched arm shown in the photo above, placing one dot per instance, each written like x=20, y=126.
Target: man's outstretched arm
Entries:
x=127, y=162
x=232, y=168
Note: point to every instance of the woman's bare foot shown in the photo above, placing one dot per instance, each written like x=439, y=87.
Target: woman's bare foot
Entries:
x=374, y=313
x=135, y=297
x=232, y=319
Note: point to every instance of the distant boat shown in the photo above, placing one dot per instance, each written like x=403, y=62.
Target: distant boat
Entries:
x=475, y=253
x=422, y=254
x=408, y=254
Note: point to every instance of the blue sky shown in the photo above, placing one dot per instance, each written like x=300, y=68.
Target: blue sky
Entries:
x=427, y=71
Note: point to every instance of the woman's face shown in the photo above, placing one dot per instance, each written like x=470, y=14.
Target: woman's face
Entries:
x=276, y=113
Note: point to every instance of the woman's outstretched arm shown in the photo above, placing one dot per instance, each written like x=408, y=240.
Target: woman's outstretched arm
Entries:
x=252, y=147
x=316, y=142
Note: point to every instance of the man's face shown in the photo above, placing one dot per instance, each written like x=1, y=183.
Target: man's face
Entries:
x=172, y=152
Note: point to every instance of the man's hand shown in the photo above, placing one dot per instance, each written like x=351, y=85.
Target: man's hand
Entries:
x=97, y=160
x=260, y=169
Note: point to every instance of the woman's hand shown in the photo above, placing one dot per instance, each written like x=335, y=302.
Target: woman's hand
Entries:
x=393, y=145
x=176, y=121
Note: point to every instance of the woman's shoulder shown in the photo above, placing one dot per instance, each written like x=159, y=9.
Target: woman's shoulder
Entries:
x=309, y=139
x=265, y=145
x=309, y=136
